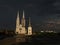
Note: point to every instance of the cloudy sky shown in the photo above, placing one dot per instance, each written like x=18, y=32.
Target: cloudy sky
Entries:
x=40, y=11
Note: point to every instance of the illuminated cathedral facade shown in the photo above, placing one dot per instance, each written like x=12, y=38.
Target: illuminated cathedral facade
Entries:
x=21, y=25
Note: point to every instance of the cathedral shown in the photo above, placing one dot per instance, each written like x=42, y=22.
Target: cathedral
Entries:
x=21, y=25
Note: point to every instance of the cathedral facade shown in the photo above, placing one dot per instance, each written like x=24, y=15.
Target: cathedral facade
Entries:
x=21, y=25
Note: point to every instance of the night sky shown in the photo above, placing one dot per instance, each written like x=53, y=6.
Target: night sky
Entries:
x=41, y=12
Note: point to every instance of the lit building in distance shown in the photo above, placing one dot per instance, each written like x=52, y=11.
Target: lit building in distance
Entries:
x=29, y=28
x=21, y=26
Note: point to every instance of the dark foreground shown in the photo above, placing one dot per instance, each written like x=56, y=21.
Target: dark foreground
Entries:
x=39, y=39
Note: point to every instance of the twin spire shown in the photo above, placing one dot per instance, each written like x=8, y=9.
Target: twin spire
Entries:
x=18, y=14
x=23, y=17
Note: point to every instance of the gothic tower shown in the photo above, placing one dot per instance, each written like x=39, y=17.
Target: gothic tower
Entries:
x=23, y=20
x=17, y=24
x=29, y=28
x=23, y=24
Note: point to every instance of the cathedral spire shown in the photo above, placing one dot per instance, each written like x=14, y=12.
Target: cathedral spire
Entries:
x=17, y=14
x=29, y=22
x=23, y=14
x=23, y=20
x=18, y=17
x=17, y=23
